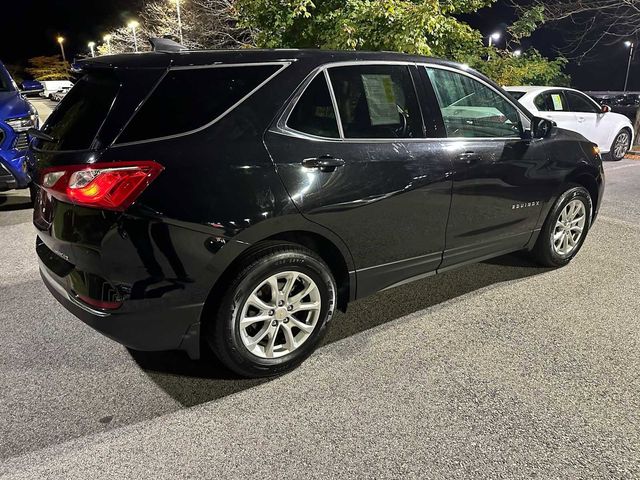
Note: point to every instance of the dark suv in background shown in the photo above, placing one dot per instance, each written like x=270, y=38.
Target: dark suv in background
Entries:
x=244, y=196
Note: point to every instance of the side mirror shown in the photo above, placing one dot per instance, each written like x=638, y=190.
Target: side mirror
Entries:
x=542, y=127
x=605, y=109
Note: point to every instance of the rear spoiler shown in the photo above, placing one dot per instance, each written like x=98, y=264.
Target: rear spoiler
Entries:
x=166, y=45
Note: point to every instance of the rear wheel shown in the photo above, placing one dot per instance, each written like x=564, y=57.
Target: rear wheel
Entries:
x=565, y=229
x=274, y=312
x=621, y=145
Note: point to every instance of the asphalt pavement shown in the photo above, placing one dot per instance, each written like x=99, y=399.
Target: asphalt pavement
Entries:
x=497, y=370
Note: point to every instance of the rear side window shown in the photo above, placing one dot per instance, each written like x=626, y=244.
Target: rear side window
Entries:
x=314, y=114
x=377, y=101
x=472, y=109
x=77, y=120
x=189, y=99
x=551, y=102
x=579, y=103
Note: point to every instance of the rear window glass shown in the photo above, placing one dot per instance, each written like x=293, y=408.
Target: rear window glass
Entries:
x=77, y=120
x=189, y=99
x=314, y=112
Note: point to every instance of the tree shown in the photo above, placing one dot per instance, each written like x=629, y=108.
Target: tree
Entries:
x=595, y=22
x=48, y=68
x=530, y=68
x=205, y=24
x=427, y=27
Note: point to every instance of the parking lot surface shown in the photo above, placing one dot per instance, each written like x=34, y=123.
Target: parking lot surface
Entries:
x=497, y=370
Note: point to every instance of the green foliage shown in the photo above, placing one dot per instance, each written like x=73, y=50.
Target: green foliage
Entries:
x=530, y=68
x=527, y=23
x=48, y=68
x=426, y=27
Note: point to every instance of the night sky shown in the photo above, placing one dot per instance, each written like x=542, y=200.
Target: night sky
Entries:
x=29, y=28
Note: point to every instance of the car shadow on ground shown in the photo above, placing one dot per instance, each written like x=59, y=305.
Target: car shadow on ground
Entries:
x=195, y=382
x=13, y=202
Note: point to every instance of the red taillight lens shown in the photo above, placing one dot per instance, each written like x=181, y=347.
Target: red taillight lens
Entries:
x=111, y=186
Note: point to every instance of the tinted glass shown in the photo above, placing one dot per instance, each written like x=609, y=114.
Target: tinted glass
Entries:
x=472, y=109
x=186, y=100
x=516, y=95
x=377, y=101
x=5, y=80
x=551, y=102
x=314, y=112
x=580, y=103
x=77, y=120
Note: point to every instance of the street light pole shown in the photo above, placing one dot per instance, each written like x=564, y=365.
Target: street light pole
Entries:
x=107, y=38
x=179, y=21
x=631, y=46
x=61, y=41
x=91, y=45
x=133, y=25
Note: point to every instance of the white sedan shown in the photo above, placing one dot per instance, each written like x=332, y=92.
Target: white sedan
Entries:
x=573, y=110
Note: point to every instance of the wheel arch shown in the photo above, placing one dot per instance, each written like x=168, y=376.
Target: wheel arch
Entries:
x=328, y=247
x=588, y=181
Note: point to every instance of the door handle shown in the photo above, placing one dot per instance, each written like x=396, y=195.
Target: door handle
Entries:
x=325, y=163
x=581, y=119
x=469, y=157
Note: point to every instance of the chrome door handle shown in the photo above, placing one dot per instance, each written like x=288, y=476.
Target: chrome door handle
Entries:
x=325, y=163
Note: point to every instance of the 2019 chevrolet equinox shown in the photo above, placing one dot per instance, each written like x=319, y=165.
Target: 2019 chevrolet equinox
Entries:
x=241, y=197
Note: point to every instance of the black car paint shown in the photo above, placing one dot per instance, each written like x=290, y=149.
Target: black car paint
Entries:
x=396, y=211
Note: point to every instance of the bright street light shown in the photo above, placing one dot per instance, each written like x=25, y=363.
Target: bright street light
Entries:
x=133, y=25
x=494, y=37
x=517, y=53
x=91, y=46
x=61, y=41
x=107, y=38
x=629, y=44
x=179, y=20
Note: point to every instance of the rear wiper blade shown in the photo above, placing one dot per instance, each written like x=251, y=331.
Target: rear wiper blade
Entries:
x=34, y=132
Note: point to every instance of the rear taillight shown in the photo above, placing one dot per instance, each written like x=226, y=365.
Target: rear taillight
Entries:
x=110, y=186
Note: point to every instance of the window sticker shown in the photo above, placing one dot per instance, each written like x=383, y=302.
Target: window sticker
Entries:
x=557, y=101
x=381, y=98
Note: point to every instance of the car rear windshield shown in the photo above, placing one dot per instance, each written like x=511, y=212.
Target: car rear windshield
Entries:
x=77, y=120
x=189, y=99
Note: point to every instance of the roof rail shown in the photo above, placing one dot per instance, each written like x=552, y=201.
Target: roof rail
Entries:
x=166, y=45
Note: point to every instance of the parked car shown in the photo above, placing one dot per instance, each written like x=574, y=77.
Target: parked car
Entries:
x=573, y=110
x=31, y=87
x=310, y=179
x=60, y=94
x=17, y=116
x=52, y=86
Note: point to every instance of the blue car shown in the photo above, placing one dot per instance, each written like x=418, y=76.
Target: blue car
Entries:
x=17, y=116
x=31, y=87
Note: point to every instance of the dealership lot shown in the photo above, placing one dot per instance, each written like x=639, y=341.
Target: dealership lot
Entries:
x=498, y=370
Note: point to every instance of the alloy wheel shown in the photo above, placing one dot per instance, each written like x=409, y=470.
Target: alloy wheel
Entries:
x=280, y=314
x=569, y=228
x=621, y=145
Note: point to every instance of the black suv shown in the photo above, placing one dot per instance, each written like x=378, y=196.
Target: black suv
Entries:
x=240, y=197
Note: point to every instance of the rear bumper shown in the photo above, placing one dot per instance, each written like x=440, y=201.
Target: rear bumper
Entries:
x=154, y=330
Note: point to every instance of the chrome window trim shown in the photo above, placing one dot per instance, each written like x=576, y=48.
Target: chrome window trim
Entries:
x=283, y=65
x=282, y=128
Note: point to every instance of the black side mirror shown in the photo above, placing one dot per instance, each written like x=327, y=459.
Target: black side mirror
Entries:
x=542, y=127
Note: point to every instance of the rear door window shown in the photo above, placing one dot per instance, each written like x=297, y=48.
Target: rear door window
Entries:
x=189, y=99
x=377, y=101
x=314, y=113
x=551, y=102
x=77, y=120
x=472, y=109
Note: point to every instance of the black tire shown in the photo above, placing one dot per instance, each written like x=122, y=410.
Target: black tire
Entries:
x=544, y=251
x=222, y=332
x=622, y=133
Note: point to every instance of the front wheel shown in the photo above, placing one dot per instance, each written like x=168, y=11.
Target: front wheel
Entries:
x=565, y=229
x=621, y=145
x=274, y=312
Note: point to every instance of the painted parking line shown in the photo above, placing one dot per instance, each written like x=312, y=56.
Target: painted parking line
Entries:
x=620, y=167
